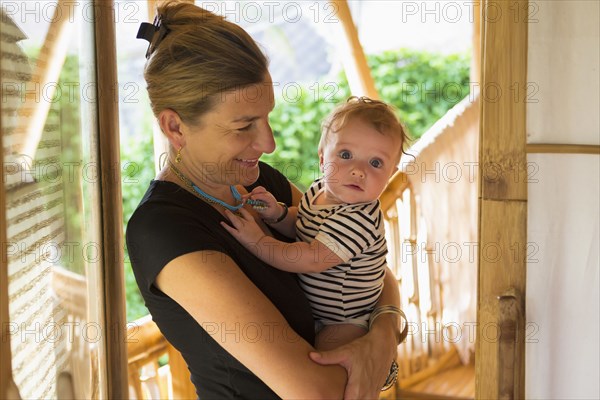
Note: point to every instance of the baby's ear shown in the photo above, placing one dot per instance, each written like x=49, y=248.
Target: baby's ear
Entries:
x=321, y=160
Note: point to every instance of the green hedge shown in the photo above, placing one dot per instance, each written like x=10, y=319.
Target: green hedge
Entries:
x=137, y=164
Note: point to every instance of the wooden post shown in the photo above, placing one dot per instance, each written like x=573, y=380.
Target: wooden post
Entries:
x=161, y=144
x=151, y=9
x=355, y=63
x=503, y=193
x=476, y=43
x=182, y=384
x=111, y=198
x=47, y=70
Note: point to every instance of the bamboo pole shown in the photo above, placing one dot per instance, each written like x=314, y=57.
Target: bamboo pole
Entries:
x=562, y=148
x=182, y=384
x=355, y=62
x=44, y=79
x=502, y=198
x=161, y=144
x=111, y=213
x=476, y=42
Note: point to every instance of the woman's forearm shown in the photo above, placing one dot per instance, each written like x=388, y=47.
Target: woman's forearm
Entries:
x=389, y=322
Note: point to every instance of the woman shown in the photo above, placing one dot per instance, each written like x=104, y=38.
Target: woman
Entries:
x=245, y=329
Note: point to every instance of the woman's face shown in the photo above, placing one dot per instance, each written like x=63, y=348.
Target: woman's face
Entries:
x=224, y=147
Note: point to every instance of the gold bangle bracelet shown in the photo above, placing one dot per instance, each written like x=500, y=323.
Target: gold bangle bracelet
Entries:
x=390, y=309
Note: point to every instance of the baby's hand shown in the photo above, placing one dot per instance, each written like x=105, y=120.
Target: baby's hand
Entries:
x=263, y=202
x=244, y=228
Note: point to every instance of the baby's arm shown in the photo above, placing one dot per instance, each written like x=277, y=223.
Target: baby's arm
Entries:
x=292, y=257
x=271, y=211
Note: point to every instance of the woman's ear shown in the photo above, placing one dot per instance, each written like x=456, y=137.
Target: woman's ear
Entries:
x=170, y=123
x=321, y=161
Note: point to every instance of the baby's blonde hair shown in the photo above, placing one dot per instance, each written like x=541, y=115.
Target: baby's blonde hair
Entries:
x=202, y=56
x=378, y=114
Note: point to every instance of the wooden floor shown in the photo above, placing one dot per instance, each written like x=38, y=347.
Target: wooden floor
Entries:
x=454, y=383
x=445, y=379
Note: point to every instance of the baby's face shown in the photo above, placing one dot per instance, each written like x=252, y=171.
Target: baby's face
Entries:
x=357, y=162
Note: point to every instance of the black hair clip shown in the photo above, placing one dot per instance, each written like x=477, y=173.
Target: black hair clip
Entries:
x=154, y=33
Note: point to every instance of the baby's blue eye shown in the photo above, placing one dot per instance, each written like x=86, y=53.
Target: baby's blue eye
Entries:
x=376, y=163
x=345, y=155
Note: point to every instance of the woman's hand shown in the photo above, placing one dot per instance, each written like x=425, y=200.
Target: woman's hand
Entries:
x=367, y=361
x=369, y=358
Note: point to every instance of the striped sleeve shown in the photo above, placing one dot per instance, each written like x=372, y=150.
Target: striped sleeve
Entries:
x=348, y=234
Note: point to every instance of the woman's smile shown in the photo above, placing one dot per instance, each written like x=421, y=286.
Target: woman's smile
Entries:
x=247, y=163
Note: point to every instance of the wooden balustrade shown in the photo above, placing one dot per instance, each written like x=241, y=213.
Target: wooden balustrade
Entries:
x=413, y=204
x=148, y=379
x=145, y=345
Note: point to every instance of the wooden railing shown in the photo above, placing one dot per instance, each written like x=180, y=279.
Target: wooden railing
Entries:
x=423, y=213
x=155, y=369
x=418, y=279
x=146, y=345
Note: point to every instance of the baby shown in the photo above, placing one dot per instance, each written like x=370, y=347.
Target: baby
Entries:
x=341, y=252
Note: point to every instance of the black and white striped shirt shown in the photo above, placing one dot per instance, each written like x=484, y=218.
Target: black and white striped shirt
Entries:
x=346, y=293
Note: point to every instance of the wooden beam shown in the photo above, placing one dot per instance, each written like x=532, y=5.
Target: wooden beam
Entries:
x=503, y=196
x=476, y=43
x=180, y=374
x=151, y=9
x=47, y=70
x=111, y=199
x=397, y=184
x=355, y=62
x=503, y=130
x=161, y=144
x=562, y=148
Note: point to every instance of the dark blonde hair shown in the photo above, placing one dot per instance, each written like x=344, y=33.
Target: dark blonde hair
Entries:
x=378, y=114
x=201, y=56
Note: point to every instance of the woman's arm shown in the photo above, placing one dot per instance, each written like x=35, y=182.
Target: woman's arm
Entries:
x=212, y=288
x=368, y=359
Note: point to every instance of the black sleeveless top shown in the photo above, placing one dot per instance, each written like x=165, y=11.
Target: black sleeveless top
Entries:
x=170, y=222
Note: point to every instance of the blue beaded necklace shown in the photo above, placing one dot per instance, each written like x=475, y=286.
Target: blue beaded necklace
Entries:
x=207, y=197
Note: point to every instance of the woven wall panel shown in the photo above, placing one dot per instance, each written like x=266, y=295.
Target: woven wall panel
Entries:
x=35, y=214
